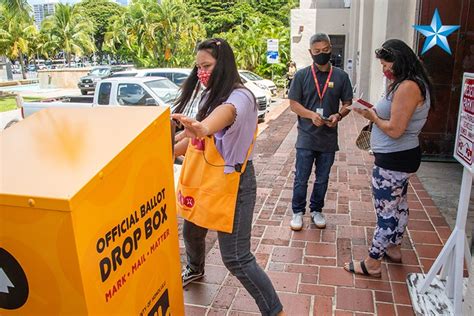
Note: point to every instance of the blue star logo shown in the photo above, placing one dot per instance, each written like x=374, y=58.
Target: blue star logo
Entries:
x=436, y=33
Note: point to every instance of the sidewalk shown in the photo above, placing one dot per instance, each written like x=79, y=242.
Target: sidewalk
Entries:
x=306, y=267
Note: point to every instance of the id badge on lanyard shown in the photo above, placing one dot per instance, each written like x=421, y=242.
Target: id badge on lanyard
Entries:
x=320, y=110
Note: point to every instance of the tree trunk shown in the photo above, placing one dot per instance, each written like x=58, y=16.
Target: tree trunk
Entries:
x=68, y=56
x=22, y=65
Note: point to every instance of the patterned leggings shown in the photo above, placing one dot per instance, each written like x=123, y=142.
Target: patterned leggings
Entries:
x=391, y=204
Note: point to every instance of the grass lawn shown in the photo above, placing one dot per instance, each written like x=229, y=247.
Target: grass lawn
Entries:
x=9, y=103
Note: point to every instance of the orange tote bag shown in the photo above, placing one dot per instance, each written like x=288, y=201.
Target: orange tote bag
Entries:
x=206, y=196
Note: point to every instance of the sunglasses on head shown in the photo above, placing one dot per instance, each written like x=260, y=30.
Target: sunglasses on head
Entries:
x=209, y=42
x=385, y=54
x=215, y=41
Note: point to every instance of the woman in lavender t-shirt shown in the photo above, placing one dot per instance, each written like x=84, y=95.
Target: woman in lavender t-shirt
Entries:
x=229, y=112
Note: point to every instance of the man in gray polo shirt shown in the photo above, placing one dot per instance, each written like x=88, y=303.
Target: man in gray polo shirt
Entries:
x=315, y=96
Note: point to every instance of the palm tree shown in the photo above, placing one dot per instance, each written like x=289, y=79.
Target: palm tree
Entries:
x=116, y=40
x=180, y=31
x=156, y=35
x=36, y=45
x=69, y=31
x=18, y=8
x=249, y=42
x=14, y=34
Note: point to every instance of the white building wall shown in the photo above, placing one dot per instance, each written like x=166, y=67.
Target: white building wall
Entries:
x=352, y=40
x=307, y=4
x=331, y=21
x=305, y=18
x=402, y=28
x=366, y=25
x=391, y=19
x=334, y=22
x=379, y=35
x=363, y=47
x=330, y=4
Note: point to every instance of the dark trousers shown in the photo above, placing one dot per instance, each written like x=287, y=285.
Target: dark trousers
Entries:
x=305, y=159
x=235, y=248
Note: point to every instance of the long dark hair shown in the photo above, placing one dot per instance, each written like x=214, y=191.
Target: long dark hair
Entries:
x=224, y=79
x=406, y=66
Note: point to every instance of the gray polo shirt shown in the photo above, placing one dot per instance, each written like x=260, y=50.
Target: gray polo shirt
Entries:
x=303, y=90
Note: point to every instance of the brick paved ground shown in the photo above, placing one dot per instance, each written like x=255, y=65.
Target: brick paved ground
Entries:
x=306, y=267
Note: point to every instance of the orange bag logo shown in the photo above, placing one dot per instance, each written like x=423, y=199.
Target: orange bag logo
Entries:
x=186, y=201
x=198, y=144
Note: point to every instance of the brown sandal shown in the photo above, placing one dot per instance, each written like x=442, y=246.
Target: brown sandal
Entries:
x=364, y=270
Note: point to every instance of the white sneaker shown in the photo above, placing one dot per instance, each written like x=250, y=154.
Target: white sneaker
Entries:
x=297, y=221
x=318, y=219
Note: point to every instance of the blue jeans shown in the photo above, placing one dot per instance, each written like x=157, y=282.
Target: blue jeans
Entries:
x=305, y=158
x=235, y=248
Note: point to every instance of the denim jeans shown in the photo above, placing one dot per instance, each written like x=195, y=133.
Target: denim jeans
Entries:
x=305, y=158
x=235, y=248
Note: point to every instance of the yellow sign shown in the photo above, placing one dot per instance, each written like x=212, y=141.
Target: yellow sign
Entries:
x=87, y=214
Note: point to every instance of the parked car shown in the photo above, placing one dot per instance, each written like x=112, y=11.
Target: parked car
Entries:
x=32, y=68
x=262, y=96
x=16, y=69
x=178, y=75
x=55, y=63
x=164, y=87
x=259, y=81
x=88, y=83
x=109, y=92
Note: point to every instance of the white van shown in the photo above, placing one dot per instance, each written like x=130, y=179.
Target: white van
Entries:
x=259, y=81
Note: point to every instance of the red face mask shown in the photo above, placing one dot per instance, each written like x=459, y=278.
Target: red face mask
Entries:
x=203, y=76
x=389, y=74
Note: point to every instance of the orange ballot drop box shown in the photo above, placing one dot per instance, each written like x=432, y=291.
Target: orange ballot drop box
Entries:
x=87, y=214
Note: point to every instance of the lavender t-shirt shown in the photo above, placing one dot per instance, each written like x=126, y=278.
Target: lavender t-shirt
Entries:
x=234, y=141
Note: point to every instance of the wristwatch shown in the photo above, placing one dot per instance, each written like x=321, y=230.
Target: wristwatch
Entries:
x=340, y=115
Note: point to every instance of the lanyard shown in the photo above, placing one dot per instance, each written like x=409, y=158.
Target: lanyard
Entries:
x=321, y=96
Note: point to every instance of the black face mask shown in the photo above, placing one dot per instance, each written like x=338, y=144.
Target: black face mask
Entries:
x=321, y=58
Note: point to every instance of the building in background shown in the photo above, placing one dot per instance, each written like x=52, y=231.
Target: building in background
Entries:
x=358, y=27
x=42, y=9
